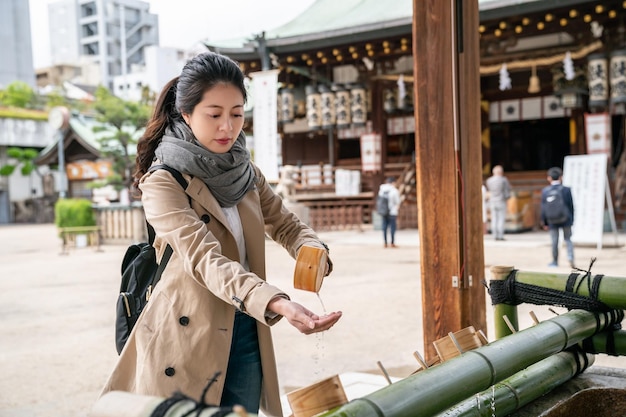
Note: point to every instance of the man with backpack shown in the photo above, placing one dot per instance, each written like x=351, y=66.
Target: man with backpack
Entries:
x=387, y=205
x=557, y=213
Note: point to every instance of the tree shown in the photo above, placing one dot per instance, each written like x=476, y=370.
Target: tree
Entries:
x=122, y=120
x=18, y=94
x=24, y=157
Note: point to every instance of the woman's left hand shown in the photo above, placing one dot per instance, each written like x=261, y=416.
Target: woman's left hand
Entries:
x=302, y=318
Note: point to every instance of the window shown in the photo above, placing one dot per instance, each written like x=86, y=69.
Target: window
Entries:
x=91, y=49
x=88, y=9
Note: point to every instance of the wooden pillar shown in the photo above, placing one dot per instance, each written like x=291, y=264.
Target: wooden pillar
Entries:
x=379, y=125
x=448, y=160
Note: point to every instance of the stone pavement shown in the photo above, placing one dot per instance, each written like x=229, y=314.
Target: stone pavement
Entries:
x=57, y=311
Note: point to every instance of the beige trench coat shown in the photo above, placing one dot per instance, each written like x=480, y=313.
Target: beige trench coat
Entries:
x=183, y=336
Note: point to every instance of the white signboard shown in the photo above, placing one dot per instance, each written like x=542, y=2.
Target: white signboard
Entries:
x=266, y=151
x=586, y=176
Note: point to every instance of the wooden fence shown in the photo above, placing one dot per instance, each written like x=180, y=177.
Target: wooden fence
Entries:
x=121, y=223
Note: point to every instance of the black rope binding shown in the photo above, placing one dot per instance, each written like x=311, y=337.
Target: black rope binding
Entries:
x=509, y=291
x=200, y=405
x=579, y=353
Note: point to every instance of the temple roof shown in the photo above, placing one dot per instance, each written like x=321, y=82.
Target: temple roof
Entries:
x=81, y=141
x=328, y=22
x=334, y=32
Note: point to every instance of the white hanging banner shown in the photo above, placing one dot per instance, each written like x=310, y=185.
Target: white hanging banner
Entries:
x=598, y=133
x=266, y=150
x=371, y=152
x=586, y=176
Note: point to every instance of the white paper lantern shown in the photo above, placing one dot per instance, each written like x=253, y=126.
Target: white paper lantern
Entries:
x=342, y=108
x=287, y=108
x=313, y=108
x=618, y=76
x=358, y=105
x=597, y=76
x=328, y=107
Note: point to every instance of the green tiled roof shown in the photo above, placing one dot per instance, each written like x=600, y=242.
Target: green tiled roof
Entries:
x=328, y=18
x=83, y=132
x=330, y=15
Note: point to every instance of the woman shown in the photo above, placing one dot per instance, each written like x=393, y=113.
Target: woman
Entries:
x=212, y=309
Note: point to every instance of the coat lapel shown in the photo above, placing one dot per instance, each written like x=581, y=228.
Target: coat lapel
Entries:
x=251, y=220
x=253, y=231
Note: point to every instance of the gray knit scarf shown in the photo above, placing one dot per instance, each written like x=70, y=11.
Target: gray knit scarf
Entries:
x=229, y=175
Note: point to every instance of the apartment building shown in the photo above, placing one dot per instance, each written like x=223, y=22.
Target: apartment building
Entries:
x=111, y=33
x=15, y=43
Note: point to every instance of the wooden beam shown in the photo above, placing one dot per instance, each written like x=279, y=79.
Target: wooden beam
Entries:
x=448, y=160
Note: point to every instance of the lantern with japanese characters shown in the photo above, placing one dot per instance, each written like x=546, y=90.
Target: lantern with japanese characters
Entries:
x=597, y=75
x=358, y=105
x=618, y=76
x=313, y=108
x=328, y=107
x=342, y=107
x=286, y=106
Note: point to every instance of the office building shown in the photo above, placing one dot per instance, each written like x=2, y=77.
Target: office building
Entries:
x=15, y=43
x=111, y=33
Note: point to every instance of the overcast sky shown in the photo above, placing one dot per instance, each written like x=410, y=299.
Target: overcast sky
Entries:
x=182, y=23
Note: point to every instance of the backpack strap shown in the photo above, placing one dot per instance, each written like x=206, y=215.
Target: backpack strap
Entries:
x=175, y=173
x=151, y=233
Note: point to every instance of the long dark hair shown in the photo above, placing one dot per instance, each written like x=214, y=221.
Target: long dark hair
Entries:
x=181, y=95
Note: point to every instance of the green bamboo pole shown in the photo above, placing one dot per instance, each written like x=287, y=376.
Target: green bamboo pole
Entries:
x=611, y=291
x=599, y=343
x=523, y=387
x=440, y=387
x=500, y=310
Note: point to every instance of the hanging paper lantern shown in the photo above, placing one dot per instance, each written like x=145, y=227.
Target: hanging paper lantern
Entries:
x=287, y=108
x=328, y=107
x=313, y=108
x=342, y=107
x=358, y=105
x=505, y=79
x=618, y=76
x=598, y=80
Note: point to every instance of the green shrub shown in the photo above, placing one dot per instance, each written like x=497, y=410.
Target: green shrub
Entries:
x=74, y=212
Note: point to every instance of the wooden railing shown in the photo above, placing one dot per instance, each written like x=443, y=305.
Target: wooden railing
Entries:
x=121, y=223
x=71, y=237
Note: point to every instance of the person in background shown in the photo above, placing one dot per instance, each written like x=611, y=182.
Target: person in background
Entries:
x=389, y=214
x=557, y=213
x=209, y=317
x=499, y=192
x=485, y=195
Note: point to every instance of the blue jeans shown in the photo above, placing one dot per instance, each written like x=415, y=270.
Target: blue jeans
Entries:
x=567, y=237
x=498, y=218
x=389, y=222
x=244, y=373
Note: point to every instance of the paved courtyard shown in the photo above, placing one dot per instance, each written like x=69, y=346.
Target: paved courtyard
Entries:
x=57, y=312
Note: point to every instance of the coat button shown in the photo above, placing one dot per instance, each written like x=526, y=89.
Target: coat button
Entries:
x=184, y=320
x=205, y=218
x=170, y=372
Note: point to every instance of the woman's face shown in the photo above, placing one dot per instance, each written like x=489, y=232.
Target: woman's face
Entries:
x=217, y=120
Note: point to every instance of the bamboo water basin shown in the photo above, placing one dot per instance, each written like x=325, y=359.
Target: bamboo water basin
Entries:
x=596, y=402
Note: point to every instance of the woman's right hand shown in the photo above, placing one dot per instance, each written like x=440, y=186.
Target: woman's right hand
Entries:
x=302, y=318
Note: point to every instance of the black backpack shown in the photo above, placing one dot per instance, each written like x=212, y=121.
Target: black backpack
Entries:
x=555, y=210
x=140, y=274
x=382, y=203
